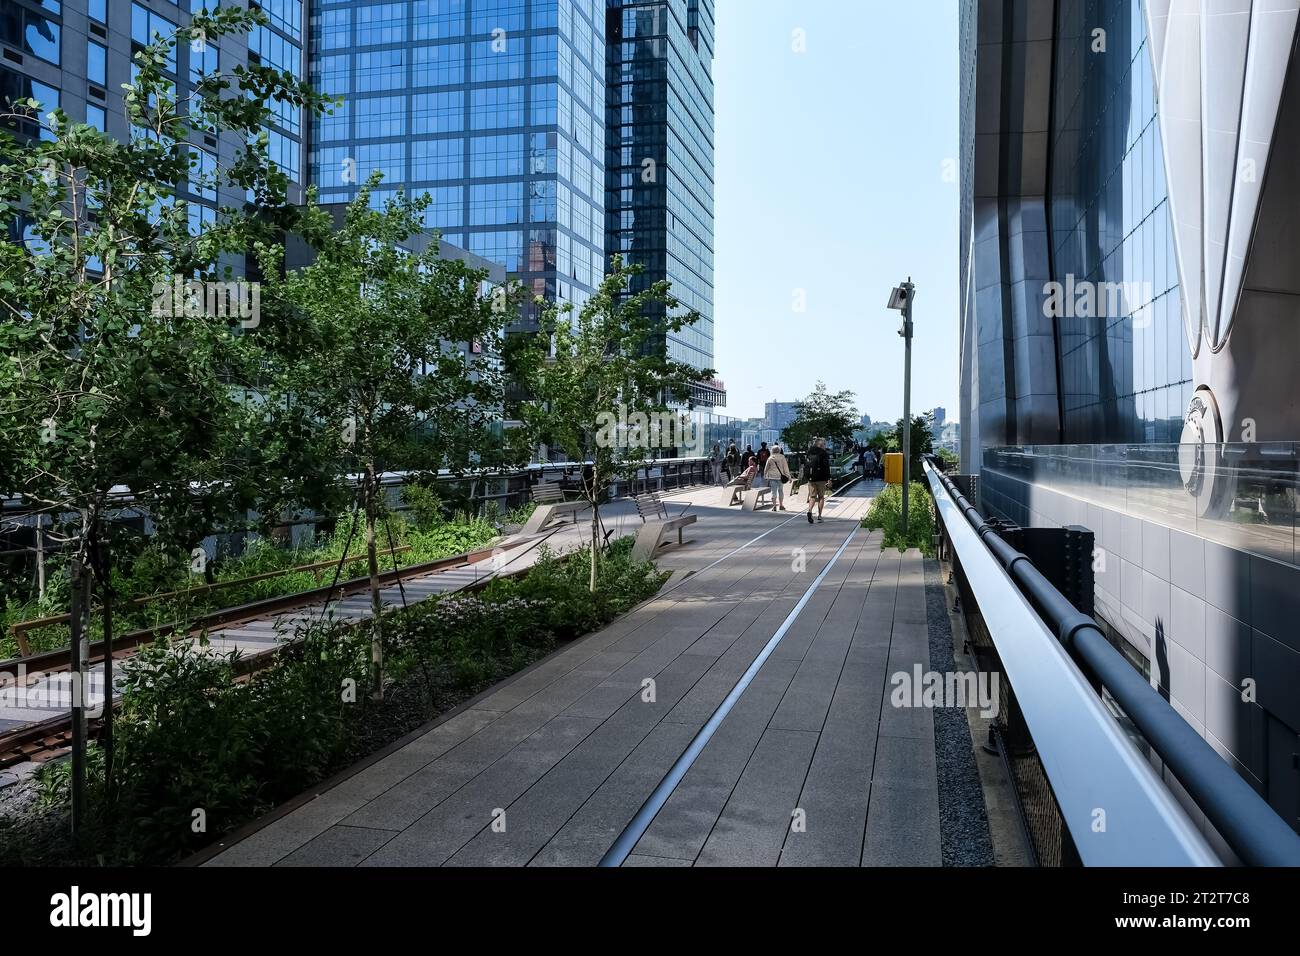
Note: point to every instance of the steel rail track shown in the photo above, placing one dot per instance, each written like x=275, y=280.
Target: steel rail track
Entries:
x=50, y=737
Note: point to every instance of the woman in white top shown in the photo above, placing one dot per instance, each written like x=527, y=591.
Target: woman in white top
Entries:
x=777, y=471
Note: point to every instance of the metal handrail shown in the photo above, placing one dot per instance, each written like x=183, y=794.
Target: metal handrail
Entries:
x=1115, y=807
x=1246, y=822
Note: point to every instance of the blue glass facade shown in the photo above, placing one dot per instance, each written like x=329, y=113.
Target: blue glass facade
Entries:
x=493, y=107
x=1126, y=377
x=659, y=161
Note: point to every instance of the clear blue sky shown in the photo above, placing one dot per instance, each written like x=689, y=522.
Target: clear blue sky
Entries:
x=830, y=179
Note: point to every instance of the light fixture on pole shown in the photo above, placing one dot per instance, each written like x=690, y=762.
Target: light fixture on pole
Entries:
x=900, y=300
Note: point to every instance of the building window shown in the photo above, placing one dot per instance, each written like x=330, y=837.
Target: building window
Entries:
x=438, y=65
x=380, y=24
x=30, y=32
x=381, y=116
x=285, y=153
x=437, y=159
x=203, y=173
x=498, y=107
x=96, y=63
x=380, y=70
x=444, y=209
x=148, y=27
x=439, y=19
x=438, y=112
x=15, y=86
x=489, y=63
x=285, y=15
x=96, y=117
x=334, y=31
x=203, y=61
x=496, y=204
x=98, y=10
x=496, y=156
x=274, y=50
x=200, y=217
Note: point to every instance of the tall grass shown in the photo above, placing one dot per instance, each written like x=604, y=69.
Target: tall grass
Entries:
x=886, y=513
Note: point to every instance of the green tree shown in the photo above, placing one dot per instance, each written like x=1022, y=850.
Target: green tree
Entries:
x=922, y=441
x=823, y=414
x=118, y=372
x=585, y=374
x=394, y=353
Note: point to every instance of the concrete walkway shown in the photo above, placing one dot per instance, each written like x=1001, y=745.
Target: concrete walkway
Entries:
x=811, y=766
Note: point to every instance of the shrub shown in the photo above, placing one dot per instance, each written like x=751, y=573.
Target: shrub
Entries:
x=886, y=513
x=191, y=735
x=425, y=506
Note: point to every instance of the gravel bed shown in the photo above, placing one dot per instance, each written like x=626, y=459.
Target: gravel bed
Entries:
x=963, y=820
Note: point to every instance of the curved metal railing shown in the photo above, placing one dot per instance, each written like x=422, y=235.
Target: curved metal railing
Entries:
x=1090, y=762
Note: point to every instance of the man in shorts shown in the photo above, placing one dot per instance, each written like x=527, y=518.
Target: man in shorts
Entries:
x=819, y=477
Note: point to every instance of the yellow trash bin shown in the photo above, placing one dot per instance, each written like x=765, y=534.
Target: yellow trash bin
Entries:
x=894, y=467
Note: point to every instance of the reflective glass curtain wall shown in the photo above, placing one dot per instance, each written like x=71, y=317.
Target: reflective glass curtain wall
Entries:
x=659, y=157
x=1125, y=377
x=493, y=107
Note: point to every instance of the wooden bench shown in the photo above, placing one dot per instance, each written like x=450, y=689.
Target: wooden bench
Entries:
x=734, y=490
x=651, y=536
x=550, y=501
x=754, y=496
x=651, y=507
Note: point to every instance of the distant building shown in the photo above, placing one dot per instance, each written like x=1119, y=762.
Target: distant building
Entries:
x=779, y=414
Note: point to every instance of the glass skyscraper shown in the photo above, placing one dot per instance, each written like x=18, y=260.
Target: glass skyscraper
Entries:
x=659, y=159
x=77, y=54
x=1130, y=287
x=1124, y=377
x=493, y=107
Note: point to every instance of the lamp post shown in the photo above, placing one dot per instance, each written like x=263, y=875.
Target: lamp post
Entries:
x=900, y=300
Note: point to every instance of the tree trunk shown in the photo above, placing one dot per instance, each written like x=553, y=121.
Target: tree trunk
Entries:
x=595, y=541
x=106, y=599
x=372, y=560
x=79, y=647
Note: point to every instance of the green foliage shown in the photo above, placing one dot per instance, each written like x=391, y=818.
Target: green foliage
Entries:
x=191, y=736
x=822, y=414
x=374, y=344
x=102, y=382
x=886, y=513
x=155, y=570
x=520, y=514
x=424, y=504
x=582, y=369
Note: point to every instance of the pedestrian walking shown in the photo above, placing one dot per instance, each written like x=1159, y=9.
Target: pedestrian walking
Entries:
x=777, y=471
x=732, y=460
x=819, y=477
x=715, y=462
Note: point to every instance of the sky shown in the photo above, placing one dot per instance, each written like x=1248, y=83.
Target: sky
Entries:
x=835, y=181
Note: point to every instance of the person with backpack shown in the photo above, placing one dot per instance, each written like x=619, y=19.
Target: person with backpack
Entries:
x=732, y=461
x=777, y=470
x=819, y=477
